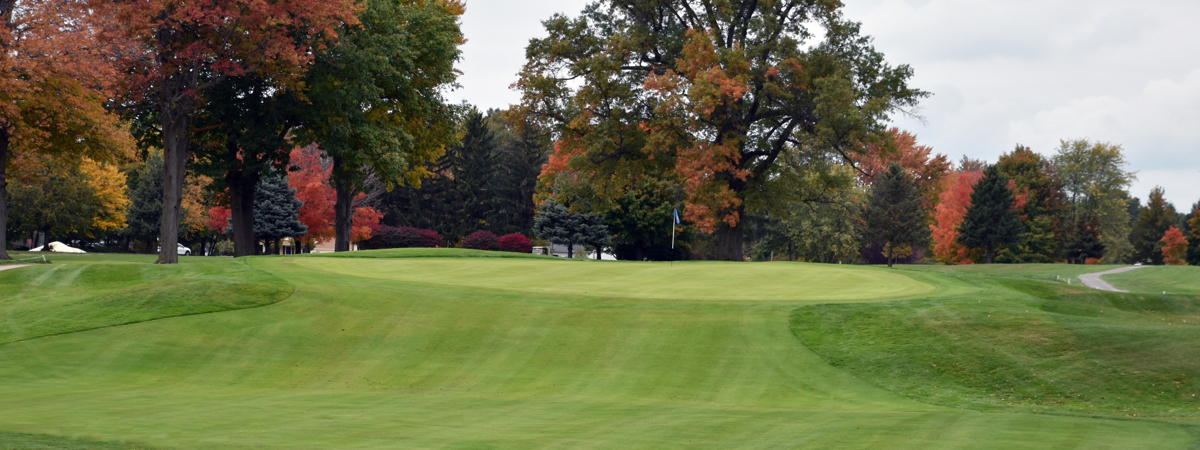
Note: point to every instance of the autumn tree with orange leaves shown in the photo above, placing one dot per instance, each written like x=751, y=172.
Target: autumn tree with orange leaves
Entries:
x=1174, y=247
x=54, y=79
x=948, y=215
x=185, y=48
x=708, y=95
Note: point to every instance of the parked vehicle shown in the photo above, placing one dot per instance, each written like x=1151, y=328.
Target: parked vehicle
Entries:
x=179, y=250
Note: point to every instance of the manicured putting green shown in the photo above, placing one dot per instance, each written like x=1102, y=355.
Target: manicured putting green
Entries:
x=357, y=358
x=684, y=280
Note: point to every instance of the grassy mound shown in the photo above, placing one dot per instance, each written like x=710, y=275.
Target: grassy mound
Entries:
x=1023, y=346
x=395, y=353
x=84, y=292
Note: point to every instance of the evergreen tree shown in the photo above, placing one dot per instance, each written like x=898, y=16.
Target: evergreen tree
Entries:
x=1153, y=221
x=557, y=224
x=1084, y=242
x=276, y=211
x=894, y=216
x=523, y=150
x=144, y=215
x=990, y=221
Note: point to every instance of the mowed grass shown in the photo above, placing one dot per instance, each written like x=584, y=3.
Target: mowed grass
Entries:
x=399, y=355
x=1024, y=345
x=83, y=292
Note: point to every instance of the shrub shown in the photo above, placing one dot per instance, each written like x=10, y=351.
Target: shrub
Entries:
x=481, y=240
x=383, y=236
x=516, y=243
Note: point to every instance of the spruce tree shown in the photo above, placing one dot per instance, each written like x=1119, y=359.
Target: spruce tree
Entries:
x=276, y=211
x=557, y=224
x=894, y=216
x=1153, y=221
x=1084, y=242
x=990, y=221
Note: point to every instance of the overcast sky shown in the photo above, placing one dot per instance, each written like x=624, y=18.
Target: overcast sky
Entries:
x=1002, y=73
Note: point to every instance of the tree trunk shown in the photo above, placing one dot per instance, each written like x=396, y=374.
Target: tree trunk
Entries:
x=599, y=249
x=175, y=124
x=889, y=256
x=4, y=195
x=989, y=255
x=729, y=242
x=241, y=205
x=570, y=251
x=278, y=247
x=343, y=209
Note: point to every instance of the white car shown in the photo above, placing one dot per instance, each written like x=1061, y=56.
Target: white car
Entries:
x=179, y=250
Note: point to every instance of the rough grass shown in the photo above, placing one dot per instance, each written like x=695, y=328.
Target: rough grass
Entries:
x=1023, y=346
x=378, y=354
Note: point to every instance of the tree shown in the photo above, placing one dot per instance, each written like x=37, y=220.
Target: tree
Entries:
x=145, y=208
x=990, y=221
x=955, y=199
x=376, y=103
x=557, y=224
x=1174, y=247
x=894, y=216
x=1096, y=184
x=311, y=182
x=1153, y=220
x=1043, y=207
x=1084, y=243
x=901, y=147
x=60, y=198
x=54, y=80
x=708, y=95
x=186, y=48
x=640, y=225
x=276, y=210
x=520, y=156
x=1193, y=255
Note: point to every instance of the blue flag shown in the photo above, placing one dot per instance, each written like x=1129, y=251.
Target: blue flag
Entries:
x=677, y=217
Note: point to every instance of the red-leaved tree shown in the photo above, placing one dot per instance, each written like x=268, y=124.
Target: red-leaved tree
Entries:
x=1174, y=247
x=186, y=47
x=365, y=219
x=919, y=161
x=311, y=182
x=955, y=199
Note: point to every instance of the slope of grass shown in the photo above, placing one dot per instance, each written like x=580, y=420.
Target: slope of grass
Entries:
x=382, y=354
x=83, y=292
x=1023, y=346
x=1172, y=279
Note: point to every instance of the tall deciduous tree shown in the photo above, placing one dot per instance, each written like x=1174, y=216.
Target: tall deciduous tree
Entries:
x=376, y=98
x=1153, y=220
x=186, y=48
x=1096, y=184
x=311, y=182
x=990, y=221
x=706, y=94
x=1043, y=212
x=54, y=80
x=894, y=216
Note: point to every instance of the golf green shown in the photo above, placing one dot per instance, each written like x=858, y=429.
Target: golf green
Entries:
x=500, y=353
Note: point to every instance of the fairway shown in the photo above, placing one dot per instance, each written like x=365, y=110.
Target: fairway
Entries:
x=502, y=353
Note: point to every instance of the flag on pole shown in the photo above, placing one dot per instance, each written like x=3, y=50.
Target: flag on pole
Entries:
x=676, y=217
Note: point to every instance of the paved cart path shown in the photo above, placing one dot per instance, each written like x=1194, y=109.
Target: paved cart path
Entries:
x=1093, y=280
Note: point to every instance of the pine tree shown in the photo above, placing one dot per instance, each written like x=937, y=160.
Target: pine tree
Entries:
x=1153, y=221
x=1042, y=210
x=1084, y=242
x=990, y=221
x=144, y=215
x=894, y=216
x=276, y=211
